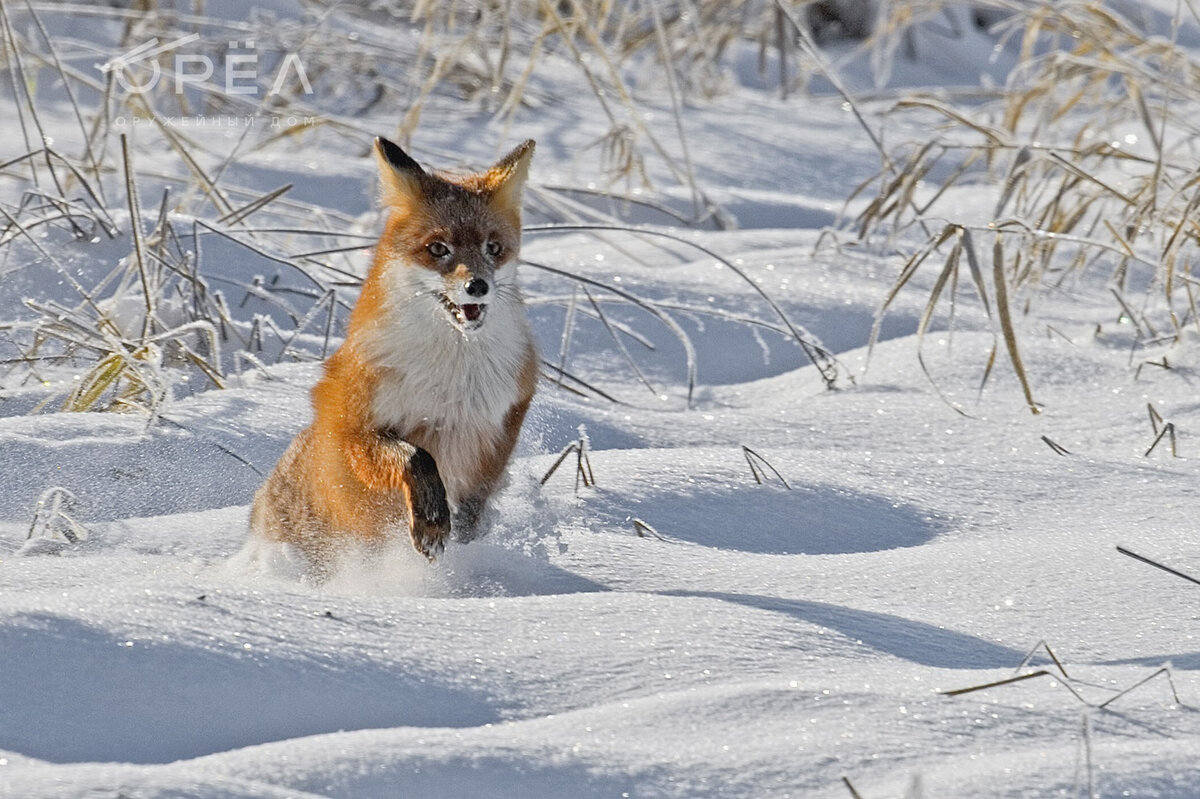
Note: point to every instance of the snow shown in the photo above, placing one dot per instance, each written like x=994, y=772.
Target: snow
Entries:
x=769, y=641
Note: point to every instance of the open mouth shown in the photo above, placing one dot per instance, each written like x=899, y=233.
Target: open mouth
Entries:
x=467, y=316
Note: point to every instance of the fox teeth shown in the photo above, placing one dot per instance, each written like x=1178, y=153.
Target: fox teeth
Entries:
x=467, y=316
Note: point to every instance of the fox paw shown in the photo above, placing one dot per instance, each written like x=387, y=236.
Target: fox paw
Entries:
x=430, y=514
x=430, y=518
x=429, y=537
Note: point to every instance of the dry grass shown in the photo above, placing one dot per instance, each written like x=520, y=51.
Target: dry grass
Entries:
x=1158, y=565
x=128, y=331
x=1088, y=153
x=1075, y=686
x=503, y=55
x=169, y=199
x=759, y=466
x=54, y=524
x=583, y=464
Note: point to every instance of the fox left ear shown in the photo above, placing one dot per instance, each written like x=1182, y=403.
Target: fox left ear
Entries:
x=399, y=175
x=505, y=180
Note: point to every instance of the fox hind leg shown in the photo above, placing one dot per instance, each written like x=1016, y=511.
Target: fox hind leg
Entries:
x=465, y=522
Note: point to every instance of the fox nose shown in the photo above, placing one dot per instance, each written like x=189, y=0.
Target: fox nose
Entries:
x=477, y=287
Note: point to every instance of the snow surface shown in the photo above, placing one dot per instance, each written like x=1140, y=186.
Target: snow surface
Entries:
x=770, y=641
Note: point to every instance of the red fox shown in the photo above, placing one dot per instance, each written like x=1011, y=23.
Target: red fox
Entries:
x=417, y=412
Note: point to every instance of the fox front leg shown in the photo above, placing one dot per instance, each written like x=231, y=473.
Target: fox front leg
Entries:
x=427, y=508
x=425, y=495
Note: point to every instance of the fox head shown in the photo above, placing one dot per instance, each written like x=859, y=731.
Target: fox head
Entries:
x=454, y=238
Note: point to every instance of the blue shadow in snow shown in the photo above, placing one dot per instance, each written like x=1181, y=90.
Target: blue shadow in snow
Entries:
x=1184, y=661
x=73, y=693
x=808, y=520
x=909, y=640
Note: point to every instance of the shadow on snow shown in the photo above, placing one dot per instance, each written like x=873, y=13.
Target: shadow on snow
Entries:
x=75, y=693
x=808, y=520
x=915, y=641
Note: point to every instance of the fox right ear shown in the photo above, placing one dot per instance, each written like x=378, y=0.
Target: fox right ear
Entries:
x=399, y=174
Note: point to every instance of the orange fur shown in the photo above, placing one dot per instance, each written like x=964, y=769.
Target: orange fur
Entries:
x=418, y=411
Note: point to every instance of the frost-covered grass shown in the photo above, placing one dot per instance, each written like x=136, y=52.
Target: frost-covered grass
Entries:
x=816, y=542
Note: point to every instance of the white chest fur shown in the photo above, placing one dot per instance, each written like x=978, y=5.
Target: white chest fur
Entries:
x=436, y=376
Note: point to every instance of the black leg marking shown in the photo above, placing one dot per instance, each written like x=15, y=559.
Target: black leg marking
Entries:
x=467, y=517
x=430, y=522
x=428, y=492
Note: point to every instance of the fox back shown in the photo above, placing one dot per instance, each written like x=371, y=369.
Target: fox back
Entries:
x=418, y=411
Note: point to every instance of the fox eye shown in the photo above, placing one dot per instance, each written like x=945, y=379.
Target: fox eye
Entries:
x=494, y=248
x=438, y=249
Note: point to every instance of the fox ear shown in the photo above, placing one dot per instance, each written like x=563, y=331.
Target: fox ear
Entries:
x=505, y=180
x=399, y=174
